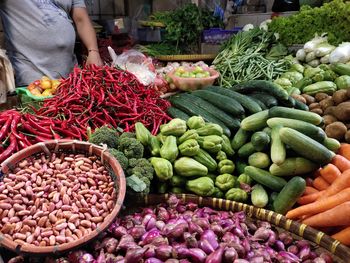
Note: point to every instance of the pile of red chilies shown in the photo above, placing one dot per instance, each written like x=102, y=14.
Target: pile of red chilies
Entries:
x=18, y=131
x=95, y=96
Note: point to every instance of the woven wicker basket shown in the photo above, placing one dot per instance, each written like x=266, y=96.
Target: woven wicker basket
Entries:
x=321, y=242
x=89, y=149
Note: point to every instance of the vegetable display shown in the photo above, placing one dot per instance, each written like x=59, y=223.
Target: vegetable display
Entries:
x=93, y=97
x=44, y=87
x=183, y=232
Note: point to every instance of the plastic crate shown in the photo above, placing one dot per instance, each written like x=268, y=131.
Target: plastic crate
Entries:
x=218, y=35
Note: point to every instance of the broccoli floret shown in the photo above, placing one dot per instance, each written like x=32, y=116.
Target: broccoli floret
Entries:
x=142, y=166
x=127, y=135
x=131, y=147
x=124, y=162
x=145, y=180
x=105, y=135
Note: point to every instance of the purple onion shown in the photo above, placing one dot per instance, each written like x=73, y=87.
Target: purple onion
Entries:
x=18, y=259
x=246, y=244
x=257, y=259
x=159, y=241
x=313, y=255
x=111, y=258
x=279, y=245
x=302, y=243
x=149, y=236
x=181, y=208
x=180, y=251
x=206, y=246
x=187, y=215
x=149, y=221
x=197, y=255
x=178, y=230
x=240, y=261
x=239, y=249
x=319, y=260
x=193, y=228
x=251, y=226
x=75, y=256
x=173, y=201
x=210, y=236
x=125, y=242
x=134, y=255
x=101, y=258
x=304, y=253
x=184, y=261
x=202, y=222
x=137, y=219
x=230, y=255
x=293, y=249
x=215, y=218
x=110, y=244
x=160, y=225
x=86, y=258
x=137, y=231
x=119, y=231
x=150, y=251
x=190, y=240
x=327, y=257
x=218, y=230
x=164, y=252
x=283, y=255
x=230, y=238
x=163, y=214
x=153, y=260
x=238, y=232
x=191, y=206
x=147, y=211
x=172, y=260
x=216, y=256
x=286, y=238
x=226, y=223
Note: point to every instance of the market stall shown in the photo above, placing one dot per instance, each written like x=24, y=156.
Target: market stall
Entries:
x=167, y=155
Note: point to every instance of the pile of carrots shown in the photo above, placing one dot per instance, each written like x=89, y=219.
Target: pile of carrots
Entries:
x=325, y=203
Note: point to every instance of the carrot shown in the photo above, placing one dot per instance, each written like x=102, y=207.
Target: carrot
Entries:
x=341, y=162
x=320, y=205
x=342, y=182
x=320, y=183
x=307, y=199
x=343, y=236
x=310, y=190
x=337, y=216
x=344, y=150
x=330, y=172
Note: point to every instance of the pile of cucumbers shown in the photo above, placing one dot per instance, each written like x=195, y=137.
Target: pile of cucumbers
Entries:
x=227, y=107
x=277, y=147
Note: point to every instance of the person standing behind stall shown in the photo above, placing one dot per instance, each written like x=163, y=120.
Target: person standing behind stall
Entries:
x=40, y=37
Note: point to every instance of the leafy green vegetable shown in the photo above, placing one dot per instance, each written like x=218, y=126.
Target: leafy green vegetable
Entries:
x=135, y=183
x=331, y=18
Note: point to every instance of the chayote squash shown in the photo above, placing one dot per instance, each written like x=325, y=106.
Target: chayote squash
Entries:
x=236, y=194
x=210, y=129
x=162, y=168
x=225, y=182
x=203, y=186
x=195, y=122
x=142, y=133
x=205, y=158
x=189, y=148
x=175, y=127
x=211, y=143
x=169, y=149
x=226, y=167
x=190, y=134
x=186, y=166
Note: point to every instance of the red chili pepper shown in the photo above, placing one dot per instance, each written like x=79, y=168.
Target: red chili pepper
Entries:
x=10, y=149
x=5, y=129
x=35, y=125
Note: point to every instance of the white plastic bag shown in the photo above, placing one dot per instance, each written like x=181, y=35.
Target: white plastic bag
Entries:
x=136, y=63
x=341, y=54
x=312, y=44
x=7, y=80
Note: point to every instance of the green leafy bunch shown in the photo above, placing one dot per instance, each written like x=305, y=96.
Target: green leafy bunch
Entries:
x=332, y=18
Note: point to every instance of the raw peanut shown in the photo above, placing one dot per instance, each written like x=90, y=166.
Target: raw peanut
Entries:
x=5, y=206
x=7, y=228
x=60, y=239
x=82, y=179
x=61, y=176
x=23, y=213
x=30, y=239
x=69, y=159
x=66, y=207
x=67, y=232
x=85, y=223
x=42, y=243
x=37, y=165
x=60, y=221
x=79, y=163
x=19, y=185
x=59, y=204
x=23, y=164
x=70, y=239
x=61, y=226
x=29, y=222
x=47, y=233
x=51, y=207
x=87, y=216
x=94, y=212
x=18, y=226
x=52, y=218
x=96, y=219
x=42, y=221
x=18, y=207
x=52, y=240
x=84, y=168
x=84, y=203
x=19, y=236
x=38, y=214
x=26, y=229
x=14, y=219
x=2, y=196
x=71, y=226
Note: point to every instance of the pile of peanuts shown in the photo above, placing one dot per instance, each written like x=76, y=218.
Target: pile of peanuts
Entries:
x=49, y=201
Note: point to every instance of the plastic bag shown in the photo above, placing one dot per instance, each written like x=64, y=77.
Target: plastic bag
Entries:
x=136, y=63
x=341, y=54
x=7, y=80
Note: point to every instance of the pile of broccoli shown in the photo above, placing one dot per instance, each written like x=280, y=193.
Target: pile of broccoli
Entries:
x=129, y=152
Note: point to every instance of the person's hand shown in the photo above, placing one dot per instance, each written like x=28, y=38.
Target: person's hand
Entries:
x=94, y=58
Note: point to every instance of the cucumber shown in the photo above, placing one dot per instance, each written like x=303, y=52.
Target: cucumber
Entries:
x=301, y=106
x=289, y=195
x=305, y=146
x=229, y=121
x=188, y=107
x=304, y=127
x=288, y=103
x=264, y=86
x=259, y=196
x=293, y=166
x=260, y=140
x=225, y=103
x=248, y=103
x=268, y=131
x=265, y=178
x=259, y=160
x=332, y=144
x=341, y=68
x=176, y=113
x=301, y=115
x=278, y=150
x=241, y=137
x=240, y=165
x=255, y=122
x=265, y=98
x=261, y=104
x=246, y=150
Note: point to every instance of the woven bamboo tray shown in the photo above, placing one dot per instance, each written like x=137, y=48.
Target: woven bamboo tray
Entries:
x=195, y=57
x=72, y=146
x=321, y=242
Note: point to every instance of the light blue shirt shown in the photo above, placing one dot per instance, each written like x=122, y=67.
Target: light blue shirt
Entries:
x=39, y=37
